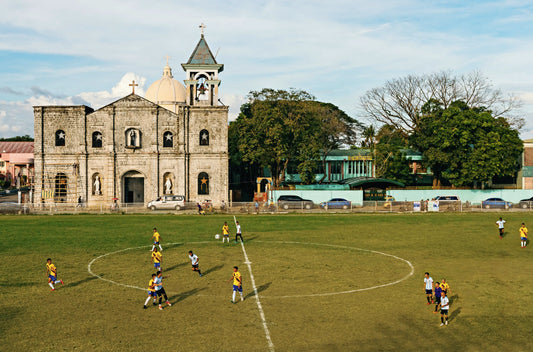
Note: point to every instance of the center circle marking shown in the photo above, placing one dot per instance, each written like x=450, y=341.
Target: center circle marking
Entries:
x=282, y=242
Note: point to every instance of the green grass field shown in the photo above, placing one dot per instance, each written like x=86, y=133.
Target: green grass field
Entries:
x=301, y=264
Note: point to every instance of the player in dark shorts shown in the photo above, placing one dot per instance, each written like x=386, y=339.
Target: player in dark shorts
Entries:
x=438, y=294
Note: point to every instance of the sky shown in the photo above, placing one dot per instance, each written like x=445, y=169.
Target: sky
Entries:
x=87, y=52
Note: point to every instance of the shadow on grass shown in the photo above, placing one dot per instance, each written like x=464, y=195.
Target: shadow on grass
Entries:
x=174, y=267
x=182, y=296
x=77, y=283
x=259, y=290
x=215, y=268
x=167, y=246
x=249, y=238
x=454, y=314
x=454, y=299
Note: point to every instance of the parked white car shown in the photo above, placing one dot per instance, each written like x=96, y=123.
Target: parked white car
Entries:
x=167, y=202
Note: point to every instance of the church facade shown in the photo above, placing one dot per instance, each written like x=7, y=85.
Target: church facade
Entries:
x=174, y=141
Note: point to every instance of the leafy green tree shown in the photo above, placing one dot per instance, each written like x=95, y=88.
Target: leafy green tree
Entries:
x=276, y=127
x=25, y=138
x=389, y=154
x=466, y=145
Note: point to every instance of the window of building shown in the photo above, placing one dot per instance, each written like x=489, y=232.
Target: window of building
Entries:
x=204, y=137
x=60, y=188
x=60, y=138
x=97, y=139
x=168, y=140
x=203, y=183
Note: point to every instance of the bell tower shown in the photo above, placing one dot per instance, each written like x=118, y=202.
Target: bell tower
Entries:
x=202, y=72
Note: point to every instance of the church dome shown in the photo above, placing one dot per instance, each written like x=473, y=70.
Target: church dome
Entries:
x=166, y=91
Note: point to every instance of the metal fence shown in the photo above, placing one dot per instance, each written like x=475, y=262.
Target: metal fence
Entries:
x=258, y=208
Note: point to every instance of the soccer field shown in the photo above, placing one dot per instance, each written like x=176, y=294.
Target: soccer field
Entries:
x=346, y=282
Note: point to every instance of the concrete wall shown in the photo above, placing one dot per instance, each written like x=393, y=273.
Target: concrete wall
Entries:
x=356, y=197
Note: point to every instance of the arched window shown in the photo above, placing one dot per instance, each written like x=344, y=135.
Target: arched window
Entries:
x=97, y=139
x=133, y=138
x=60, y=138
x=60, y=188
x=203, y=183
x=204, y=137
x=168, y=140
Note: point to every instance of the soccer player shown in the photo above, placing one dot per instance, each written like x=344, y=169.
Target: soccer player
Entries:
x=501, y=227
x=523, y=235
x=151, y=291
x=438, y=294
x=156, y=259
x=237, y=283
x=194, y=261
x=156, y=236
x=51, y=271
x=445, y=287
x=238, y=234
x=444, y=306
x=225, y=232
x=428, y=285
x=159, y=290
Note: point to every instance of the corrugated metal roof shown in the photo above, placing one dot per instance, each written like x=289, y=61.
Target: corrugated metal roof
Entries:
x=16, y=147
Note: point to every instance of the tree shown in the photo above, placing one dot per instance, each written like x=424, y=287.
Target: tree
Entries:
x=25, y=138
x=276, y=127
x=389, y=155
x=466, y=145
x=399, y=102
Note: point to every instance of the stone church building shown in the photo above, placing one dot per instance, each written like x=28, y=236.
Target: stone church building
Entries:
x=173, y=141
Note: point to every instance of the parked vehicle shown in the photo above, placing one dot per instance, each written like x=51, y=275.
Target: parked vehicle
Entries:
x=167, y=202
x=526, y=203
x=496, y=203
x=447, y=198
x=336, y=203
x=294, y=202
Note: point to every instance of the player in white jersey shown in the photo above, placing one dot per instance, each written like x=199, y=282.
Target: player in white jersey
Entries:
x=159, y=290
x=238, y=234
x=428, y=285
x=500, y=224
x=194, y=261
x=444, y=309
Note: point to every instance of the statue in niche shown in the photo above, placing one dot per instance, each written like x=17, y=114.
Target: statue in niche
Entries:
x=97, y=185
x=168, y=186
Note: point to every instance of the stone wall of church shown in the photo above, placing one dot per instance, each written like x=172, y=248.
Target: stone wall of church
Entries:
x=100, y=151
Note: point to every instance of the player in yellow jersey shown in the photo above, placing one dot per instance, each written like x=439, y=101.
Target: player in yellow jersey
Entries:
x=237, y=283
x=51, y=271
x=156, y=259
x=151, y=291
x=523, y=235
x=445, y=287
x=225, y=232
x=156, y=236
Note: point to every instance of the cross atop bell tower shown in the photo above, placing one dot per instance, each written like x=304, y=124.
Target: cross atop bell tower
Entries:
x=202, y=72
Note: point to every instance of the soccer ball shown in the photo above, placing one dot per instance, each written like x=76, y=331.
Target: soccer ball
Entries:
x=217, y=236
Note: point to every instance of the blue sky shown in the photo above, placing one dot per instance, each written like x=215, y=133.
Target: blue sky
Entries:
x=64, y=53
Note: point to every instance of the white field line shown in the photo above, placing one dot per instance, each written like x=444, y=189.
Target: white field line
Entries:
x=256, y=294
x=89, y=269
x=349, y=291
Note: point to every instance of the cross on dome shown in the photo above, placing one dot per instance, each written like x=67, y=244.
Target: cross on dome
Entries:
x=168, y=57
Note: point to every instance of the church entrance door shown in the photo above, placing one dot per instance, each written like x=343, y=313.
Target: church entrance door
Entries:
x=133, y=183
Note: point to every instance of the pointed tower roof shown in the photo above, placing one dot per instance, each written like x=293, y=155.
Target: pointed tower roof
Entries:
x=202, y=56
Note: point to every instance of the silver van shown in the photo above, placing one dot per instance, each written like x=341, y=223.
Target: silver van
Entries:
x=167, y=202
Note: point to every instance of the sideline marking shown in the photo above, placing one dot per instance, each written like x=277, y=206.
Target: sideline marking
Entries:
x=283, y=242
x=256, y=294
